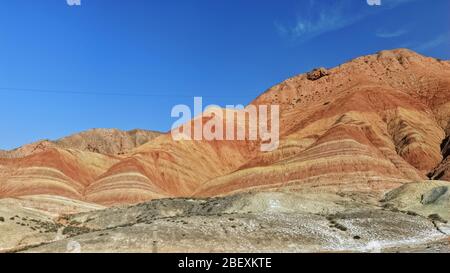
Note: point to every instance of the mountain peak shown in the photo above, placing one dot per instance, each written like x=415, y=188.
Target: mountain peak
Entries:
x=369, y=125
x=98, y=140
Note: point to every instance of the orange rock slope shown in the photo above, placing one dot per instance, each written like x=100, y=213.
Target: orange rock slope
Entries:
x=371, y=124
x=105, y=141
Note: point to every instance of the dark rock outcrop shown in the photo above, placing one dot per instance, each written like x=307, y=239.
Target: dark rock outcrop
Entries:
x=317, y=73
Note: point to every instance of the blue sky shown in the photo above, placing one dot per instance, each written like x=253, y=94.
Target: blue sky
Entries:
x=125, y=63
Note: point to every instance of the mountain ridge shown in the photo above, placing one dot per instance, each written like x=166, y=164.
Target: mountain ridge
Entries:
x=369, y=125
x=88, y=141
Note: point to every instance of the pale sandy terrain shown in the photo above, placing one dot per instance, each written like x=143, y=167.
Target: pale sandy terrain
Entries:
x=252, y=222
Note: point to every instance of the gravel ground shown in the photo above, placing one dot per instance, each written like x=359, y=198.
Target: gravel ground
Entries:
x=255, y=222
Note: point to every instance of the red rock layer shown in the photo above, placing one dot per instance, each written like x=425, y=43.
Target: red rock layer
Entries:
x=368, y=125
x=372, y=123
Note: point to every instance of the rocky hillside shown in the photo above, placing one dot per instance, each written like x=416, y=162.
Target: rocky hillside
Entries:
x=370, y=125
x=104, y=141
x=411, y=218
x=373, y=123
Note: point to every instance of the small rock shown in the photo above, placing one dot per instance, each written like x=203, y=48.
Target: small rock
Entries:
x=2, y=219
x=317, y=73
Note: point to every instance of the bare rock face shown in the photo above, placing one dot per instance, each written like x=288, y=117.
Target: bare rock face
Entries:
x=442, y=172
x=317, y=73
x=369, y=125
x=429, y=199
x=433, y=195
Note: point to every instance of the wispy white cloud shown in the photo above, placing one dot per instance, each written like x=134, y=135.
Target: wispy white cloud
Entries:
x=439, y=40
x=319, y=17
x=316, y=19
x=382, y=33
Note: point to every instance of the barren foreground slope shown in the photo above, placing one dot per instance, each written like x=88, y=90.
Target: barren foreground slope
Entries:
x=412, y=218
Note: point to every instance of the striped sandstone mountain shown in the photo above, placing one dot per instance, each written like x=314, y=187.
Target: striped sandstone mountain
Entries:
x=371, y=124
